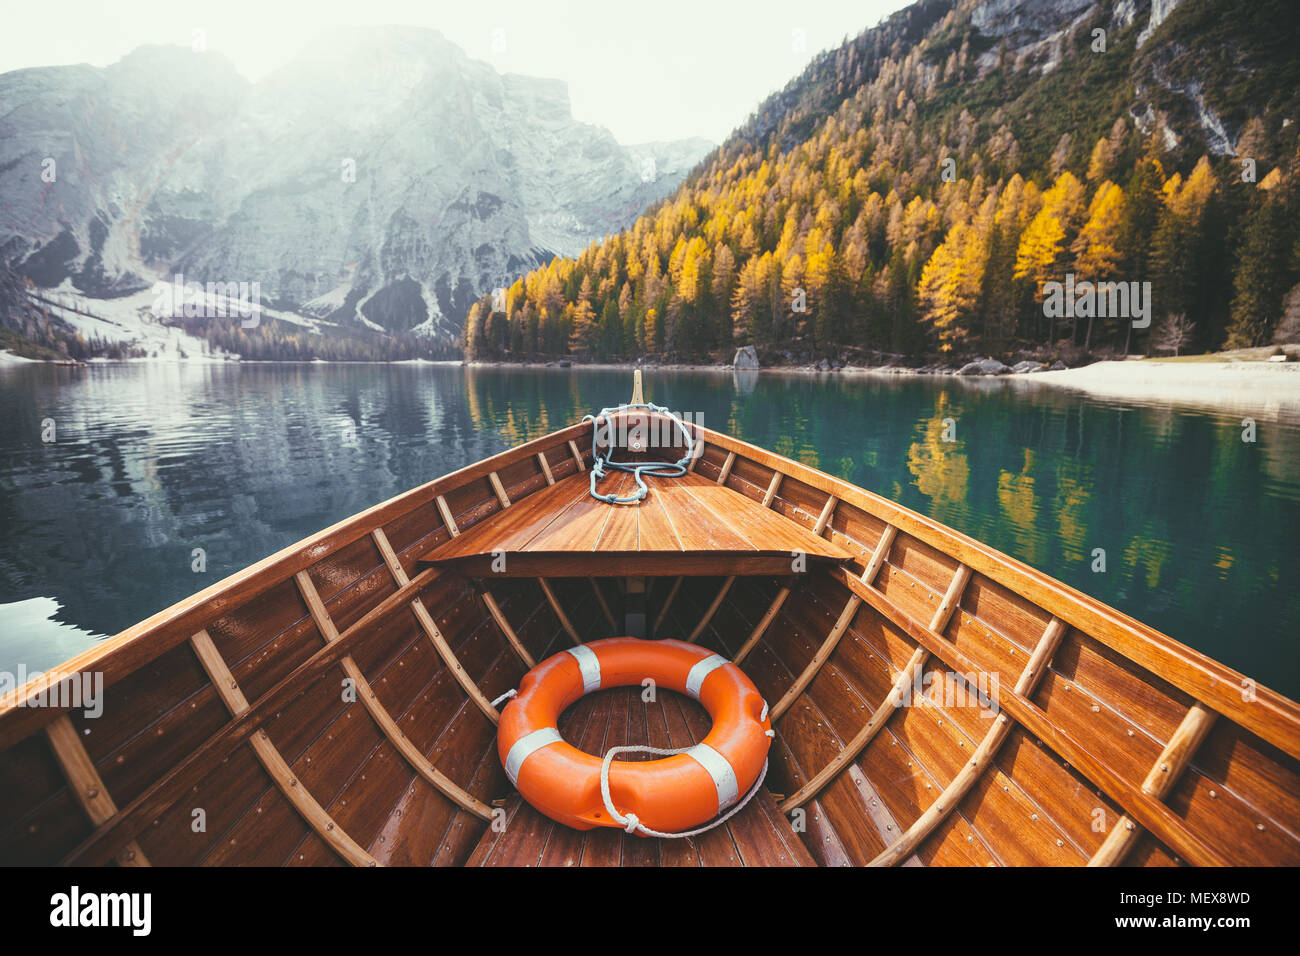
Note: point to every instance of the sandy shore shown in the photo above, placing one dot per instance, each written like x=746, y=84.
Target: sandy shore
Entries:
x=1268, y=387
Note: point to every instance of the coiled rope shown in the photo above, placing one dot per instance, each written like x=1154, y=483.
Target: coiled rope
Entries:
x=602, y=464
x=632, y=824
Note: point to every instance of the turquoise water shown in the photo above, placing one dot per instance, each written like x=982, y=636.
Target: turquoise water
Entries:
x=99, y=528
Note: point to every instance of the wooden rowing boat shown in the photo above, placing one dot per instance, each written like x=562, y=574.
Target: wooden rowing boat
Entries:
x=334, y=703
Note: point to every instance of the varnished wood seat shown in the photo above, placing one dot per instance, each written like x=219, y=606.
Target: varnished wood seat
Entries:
x=685, y=525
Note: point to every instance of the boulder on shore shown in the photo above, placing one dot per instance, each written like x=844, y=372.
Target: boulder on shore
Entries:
x=988, y=366
x=746, y=357
x=1020, y=368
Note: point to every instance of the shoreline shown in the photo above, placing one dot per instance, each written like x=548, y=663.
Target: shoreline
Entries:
x=1201, y=377
x=1224, y=380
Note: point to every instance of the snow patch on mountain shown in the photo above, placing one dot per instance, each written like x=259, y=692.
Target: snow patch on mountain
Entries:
x=139, y=320
x=128, y=320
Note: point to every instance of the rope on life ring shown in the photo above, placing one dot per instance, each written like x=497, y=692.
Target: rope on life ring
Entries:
x=632, y=824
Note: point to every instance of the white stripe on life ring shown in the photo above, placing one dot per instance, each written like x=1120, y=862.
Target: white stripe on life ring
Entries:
x=589, y=664
x=525, y=747
x=724, y=778
x=701, y=670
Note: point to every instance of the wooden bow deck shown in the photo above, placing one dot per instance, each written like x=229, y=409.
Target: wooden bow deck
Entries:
x=686, y=525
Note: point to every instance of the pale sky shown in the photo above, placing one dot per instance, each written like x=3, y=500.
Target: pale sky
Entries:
x=646, y=71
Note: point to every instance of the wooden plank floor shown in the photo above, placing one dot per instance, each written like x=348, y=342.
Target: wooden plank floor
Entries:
x=757, y=836
x=685, y=525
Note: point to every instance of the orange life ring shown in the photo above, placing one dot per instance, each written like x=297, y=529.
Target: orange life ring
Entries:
x=671, y=794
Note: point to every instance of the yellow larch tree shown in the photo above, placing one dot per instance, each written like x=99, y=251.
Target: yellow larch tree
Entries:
x=1042, y=245
x=1096, y=249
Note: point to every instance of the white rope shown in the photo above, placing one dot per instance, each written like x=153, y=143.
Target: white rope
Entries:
x=506, y=696
x=631, y=823
x=658, y=469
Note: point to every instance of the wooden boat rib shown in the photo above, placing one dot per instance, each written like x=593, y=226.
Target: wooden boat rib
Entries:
x=333, y=703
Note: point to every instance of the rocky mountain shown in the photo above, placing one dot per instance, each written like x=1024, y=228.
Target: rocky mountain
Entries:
x=382, y=179
x=909, y=196
x=1210, y=69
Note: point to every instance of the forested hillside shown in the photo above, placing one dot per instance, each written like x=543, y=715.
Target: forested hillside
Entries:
x=914, y=189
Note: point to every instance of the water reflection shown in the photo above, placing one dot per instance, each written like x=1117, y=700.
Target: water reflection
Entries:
x=154, y=461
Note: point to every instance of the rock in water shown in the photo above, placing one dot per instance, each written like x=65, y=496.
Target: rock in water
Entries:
x=746, y=357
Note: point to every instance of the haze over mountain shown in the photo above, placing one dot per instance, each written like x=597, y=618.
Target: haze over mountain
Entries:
x=381, y=179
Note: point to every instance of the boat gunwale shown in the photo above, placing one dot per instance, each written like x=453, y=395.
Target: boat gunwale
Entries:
x=1204, y=678
x=173, y=625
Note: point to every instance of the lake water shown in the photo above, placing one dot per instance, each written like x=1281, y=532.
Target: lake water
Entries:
x=98, y=528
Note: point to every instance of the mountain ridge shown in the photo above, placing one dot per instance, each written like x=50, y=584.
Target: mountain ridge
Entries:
x=382, y=171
